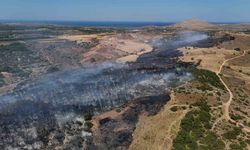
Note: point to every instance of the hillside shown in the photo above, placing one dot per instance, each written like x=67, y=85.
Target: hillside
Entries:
x=194, y=24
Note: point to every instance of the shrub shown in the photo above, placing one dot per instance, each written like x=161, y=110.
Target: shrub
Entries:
x=207, y=77
x=236, y=117
x=218, y=93
x=233, y=134
x=89, y=124
x=88, y=117
x=1, y=79
x=174, y=108
x=195, y=129
x=53, y=69
x=118, y=110
x=237, y=49
x=236, y=147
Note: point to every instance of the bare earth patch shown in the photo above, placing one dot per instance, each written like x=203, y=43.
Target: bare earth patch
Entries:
x=157, y=132
x=118, y=48
x=209, y=58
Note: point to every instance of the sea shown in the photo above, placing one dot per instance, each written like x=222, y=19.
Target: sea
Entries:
x=111, y=24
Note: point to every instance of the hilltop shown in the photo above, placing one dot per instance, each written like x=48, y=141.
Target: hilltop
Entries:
x=194, y=24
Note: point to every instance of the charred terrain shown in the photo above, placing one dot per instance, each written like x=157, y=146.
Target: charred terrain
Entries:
x=177, y=87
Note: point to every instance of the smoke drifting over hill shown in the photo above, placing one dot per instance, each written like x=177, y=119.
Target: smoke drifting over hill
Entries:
x=51, y=104
x=108, y=84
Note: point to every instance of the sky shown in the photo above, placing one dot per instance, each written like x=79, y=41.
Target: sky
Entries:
x=126, y=10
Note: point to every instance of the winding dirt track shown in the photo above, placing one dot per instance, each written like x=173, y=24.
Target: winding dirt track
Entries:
x=226, y=106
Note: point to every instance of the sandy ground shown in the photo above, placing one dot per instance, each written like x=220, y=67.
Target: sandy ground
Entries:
x=113, y=47
x=195, y=24
x=118, y=47
x=134, y=49
x=211, y=58
x=131, y=49
x=10, y=81
x=157, y=132
x=5, y=43
x=79, y=38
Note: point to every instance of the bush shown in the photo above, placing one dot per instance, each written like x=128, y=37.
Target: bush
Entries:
x=210, y=142
x=237, y=49
x=14, y=47
x=118, y=110
x=218, y=93
x=14, y=70
x=52, y=69
x=233, y=134
x=89, y=124
x=236, y=117
x=1, y=80
x=195, y=129
x=206, y=77
x=88, y=117
x=236, y=147
x=174, y=108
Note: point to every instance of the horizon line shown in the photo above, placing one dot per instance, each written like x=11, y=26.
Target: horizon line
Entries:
x=113, y=21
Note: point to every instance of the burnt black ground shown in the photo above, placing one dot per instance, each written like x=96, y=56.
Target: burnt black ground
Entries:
x=112, y=139
x=29, y=115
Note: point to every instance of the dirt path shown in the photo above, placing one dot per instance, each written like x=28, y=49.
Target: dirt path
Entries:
x=158, y=132
x=226, y=106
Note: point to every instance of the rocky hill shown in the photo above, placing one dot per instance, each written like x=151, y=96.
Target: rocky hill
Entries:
x=194, y=24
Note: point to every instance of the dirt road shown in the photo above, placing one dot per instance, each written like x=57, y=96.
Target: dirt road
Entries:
x=226, y=106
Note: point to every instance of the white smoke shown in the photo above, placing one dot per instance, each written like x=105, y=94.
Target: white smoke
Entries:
x=191, y=37
x=110, y=82
x=182, y=38
x=103, y=84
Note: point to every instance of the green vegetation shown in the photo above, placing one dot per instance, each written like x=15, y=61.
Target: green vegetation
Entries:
x=6, y=36
x=17, y=27
x=1, y=80
x=236, y=117
x=27, y=32
x=211, y=33
x=237, y=49
x=88, y=125
x=88, y=117
x=207, y=78
x=248, y=141
x=14, y=56
x=10, y=69
x=205, y=87
x=53, y=69
x=94, y=30
x=233, y=134
x=240, y=146
x=194, y=133
x=247, y=32
x=118, y=110
x=13, y=47
x=174, y=108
